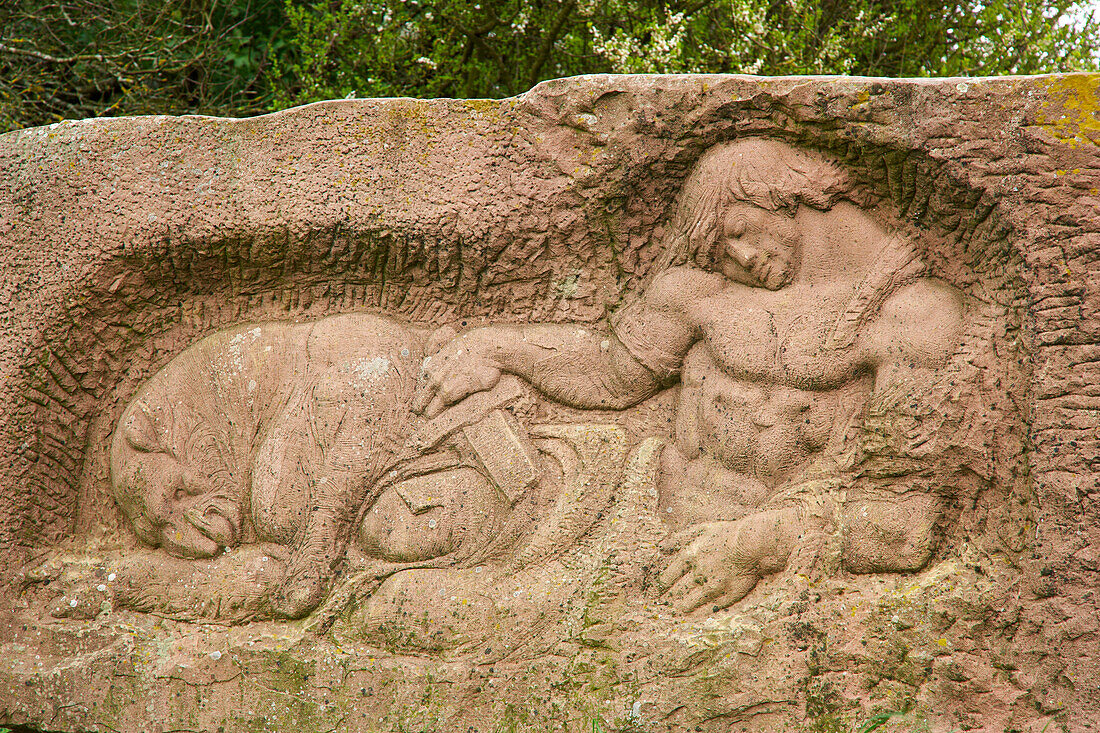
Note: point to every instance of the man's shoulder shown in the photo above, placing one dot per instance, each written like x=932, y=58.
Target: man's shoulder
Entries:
x=681, y=286
x=923, y=319
x=924, y=299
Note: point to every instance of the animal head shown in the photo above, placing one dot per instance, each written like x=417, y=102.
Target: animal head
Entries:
x=169, y=503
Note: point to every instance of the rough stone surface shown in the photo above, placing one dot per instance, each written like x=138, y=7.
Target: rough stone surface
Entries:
x=827, y=466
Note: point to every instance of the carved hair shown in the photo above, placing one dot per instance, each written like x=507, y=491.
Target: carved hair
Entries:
x=767, y=173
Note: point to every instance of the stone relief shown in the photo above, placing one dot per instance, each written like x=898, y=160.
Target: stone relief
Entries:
x=632, y=403
x=780, y=309
x=277, y=470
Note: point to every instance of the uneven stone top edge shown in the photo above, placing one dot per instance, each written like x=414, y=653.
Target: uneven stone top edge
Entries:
x=553, y=87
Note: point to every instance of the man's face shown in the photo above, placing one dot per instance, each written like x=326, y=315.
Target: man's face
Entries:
x=756, y=247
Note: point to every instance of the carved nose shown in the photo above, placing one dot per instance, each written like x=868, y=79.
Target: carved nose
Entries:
x=194, y=483
x=742, y=253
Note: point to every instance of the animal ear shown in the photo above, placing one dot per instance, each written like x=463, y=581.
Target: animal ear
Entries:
x=140, y=432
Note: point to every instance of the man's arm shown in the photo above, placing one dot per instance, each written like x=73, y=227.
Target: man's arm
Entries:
x=915, y=333
x=576, y=365
x=917, y=329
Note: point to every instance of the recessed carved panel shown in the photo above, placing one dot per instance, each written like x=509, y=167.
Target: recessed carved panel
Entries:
x=653, y=431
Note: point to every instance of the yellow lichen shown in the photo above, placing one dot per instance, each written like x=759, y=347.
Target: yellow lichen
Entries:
x=1072, y=112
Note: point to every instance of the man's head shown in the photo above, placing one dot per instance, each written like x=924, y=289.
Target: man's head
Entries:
x=735, y=214
x=169, y=504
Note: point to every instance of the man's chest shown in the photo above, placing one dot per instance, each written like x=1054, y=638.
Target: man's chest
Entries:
x=775, y=340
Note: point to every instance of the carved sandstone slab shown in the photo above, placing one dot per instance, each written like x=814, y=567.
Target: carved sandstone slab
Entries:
x=633, y=403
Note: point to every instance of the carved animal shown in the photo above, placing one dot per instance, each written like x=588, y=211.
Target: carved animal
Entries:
x=270, y=432
x=292, y=440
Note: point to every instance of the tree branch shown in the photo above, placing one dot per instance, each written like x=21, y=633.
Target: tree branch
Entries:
x=548, y=42
x=51, y=59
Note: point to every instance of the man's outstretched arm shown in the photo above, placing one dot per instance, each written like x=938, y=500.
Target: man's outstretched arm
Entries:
x=572, y=364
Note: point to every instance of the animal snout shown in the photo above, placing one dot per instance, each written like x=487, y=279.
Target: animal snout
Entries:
x=218, y=523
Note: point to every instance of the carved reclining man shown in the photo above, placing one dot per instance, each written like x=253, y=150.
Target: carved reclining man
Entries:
x=780, y=309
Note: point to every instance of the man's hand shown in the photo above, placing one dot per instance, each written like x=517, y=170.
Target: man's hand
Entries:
x=711, y=571
x=458, y=369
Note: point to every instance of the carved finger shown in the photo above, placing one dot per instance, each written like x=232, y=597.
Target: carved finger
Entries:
x=299, y=595
x=446, y=395
x=680, y=566
x=424, y=396
x=461, y=386
x=435, y=406
x=682, y=539
x=737, y=588
x=434, y=372
x=696, y=596
x=487, y=378
x=682, y=587
x=428, y=389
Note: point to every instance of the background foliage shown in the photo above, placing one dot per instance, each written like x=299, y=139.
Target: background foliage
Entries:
x=87, y=58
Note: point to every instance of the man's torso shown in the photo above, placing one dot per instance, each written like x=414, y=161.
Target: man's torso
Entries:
x=760, y=396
